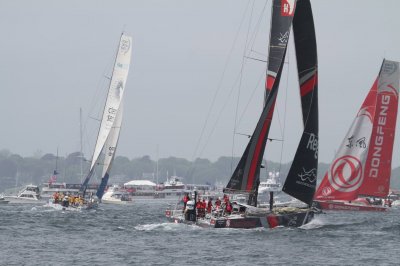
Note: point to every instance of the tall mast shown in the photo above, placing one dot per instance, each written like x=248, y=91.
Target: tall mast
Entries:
x=157, y=167
x=81, y=142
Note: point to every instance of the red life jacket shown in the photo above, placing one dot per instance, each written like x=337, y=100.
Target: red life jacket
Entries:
x=185, y=199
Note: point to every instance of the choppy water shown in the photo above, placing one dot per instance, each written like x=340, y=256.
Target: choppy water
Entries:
x=140, y=235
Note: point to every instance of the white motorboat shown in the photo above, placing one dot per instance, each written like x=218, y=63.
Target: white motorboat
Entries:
x=3, y=200
x=114, y=195
x=172, y=188
x=30, y=194
x=271, y=185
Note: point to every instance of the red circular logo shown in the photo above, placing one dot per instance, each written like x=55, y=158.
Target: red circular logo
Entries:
x=345, y=174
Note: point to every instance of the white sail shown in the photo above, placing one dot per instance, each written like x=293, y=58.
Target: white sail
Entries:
x=115, y=93
x=110, y=148
x=111, y=144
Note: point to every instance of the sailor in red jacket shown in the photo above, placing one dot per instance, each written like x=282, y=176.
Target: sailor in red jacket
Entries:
x=228, y=207
x=200, y=209
x=185, y=200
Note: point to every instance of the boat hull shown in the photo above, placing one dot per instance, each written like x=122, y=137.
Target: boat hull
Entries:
x=79, y=208
x=268, y=220
x=118, y=202
x=18, y=200
x=343, y=206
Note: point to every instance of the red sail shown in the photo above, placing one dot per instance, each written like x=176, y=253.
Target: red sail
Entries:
x=379, y=161
x=345, y=175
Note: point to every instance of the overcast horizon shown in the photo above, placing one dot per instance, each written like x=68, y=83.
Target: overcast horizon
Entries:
x=56, y=54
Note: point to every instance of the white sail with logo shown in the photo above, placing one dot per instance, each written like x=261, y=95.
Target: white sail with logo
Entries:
x=110, y=148
x=114, y=98
x=347, y=176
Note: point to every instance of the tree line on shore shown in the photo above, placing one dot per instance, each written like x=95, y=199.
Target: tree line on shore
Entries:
x=16, y=171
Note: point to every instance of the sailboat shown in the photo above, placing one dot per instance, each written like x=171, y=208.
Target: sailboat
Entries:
x=361, y=169
x=301, y=180
x=110, y=126
x=107, y=139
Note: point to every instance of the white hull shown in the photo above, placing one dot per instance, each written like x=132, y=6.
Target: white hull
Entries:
x=116, y=201
x=18, y=200
x=59, y=207
x=396, y=203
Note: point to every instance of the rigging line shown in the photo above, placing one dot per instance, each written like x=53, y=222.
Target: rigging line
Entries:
x=259, y=53
x=219, y=114
x=220, y=82
x=109, y=67
x=256, y=59
x=252, y=95
x=285, y=108
x=257, y=28
x=240, y=82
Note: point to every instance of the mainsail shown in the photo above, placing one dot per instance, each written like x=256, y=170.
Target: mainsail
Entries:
x=302, y=177
x=378, y=166
x=114, y=98
x=347, y=176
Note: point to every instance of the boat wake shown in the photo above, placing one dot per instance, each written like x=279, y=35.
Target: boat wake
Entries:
x=165, y=227
x=315, y=223
x=42, y=208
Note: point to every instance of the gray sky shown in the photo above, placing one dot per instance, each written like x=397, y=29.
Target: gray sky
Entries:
x=54, y=55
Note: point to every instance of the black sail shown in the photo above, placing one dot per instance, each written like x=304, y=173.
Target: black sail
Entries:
x=246, y=176
x=281, y=21
x=302, y=178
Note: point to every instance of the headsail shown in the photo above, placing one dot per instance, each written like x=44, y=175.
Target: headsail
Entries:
x=110, y=148
x=346, y=174
x=114, y=98
x=246, y=176
x=302, y=177
x=378, y=165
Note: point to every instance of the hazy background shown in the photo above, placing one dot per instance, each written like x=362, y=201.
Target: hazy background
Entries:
x=54, y=55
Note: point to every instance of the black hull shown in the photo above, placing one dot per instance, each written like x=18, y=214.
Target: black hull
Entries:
x=271, y=220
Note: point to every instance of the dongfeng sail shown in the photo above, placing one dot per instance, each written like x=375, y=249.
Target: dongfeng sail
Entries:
x=362, y=165
x=111, y=121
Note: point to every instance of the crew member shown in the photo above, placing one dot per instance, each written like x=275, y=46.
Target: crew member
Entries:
x=200, y=209
x=218, y=203
x=185, y=200
x=228, y=207
x=209, y=205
